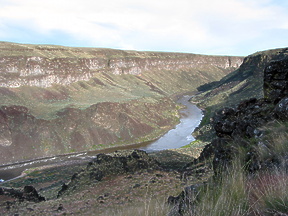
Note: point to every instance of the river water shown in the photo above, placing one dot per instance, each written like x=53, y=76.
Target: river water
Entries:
x=177, y=137
x=181, y=135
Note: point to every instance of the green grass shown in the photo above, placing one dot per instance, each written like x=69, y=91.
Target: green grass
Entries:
x=45, y=103
x=195, y=144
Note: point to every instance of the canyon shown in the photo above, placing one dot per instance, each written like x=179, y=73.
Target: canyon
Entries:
x=58, y=100
x=246, y=111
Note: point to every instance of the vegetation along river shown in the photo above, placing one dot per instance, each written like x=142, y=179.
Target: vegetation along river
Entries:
x=177, y=137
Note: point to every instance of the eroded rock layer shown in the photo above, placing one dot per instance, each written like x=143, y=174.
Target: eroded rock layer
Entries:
x=43, y=66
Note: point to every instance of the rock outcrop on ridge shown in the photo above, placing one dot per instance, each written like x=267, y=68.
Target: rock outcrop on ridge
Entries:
x=28, y=193
x=237, y=126
x=242, y=84
x=106, y=165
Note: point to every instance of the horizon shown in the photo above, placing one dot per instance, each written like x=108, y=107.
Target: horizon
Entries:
x=156, y=51
x=229, y=27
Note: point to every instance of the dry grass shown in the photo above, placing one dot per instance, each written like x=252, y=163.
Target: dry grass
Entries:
x=269, y=193
x=238, y=194
x=225, y=196
x=262, y=193
x=274, y=142
x=151, y=206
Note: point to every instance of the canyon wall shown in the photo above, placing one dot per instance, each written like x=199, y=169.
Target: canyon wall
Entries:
x=57, y=100
x=44, y=66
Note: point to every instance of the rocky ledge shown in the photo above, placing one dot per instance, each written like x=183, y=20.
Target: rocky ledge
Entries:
x=45, y=65
x=106, y=165
x=238, y=126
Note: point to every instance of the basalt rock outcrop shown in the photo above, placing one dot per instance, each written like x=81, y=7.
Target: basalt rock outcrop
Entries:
x=28, y=193
x=276, y=81
x=243, y=83
x=105, y=165
x=58, y=100
x=240, y=127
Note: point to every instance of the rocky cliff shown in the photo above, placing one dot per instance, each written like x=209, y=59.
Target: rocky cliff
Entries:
x=57, y=100
x=242, y=84
x=24, y=136
x=243, y=125
x=44, y=66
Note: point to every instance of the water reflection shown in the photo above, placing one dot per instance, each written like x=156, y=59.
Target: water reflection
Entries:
x=181, y=135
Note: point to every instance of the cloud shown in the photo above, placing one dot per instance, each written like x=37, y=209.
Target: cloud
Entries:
x=177, y=25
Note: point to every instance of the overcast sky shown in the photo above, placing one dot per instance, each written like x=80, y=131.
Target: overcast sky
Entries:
x=219, y=27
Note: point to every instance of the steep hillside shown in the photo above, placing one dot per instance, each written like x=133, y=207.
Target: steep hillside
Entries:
x=244, y=83
x=57, y=100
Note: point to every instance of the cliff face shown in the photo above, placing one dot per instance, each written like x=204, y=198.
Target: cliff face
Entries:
x=57, y=100
x=244, y=82
x=44, y=66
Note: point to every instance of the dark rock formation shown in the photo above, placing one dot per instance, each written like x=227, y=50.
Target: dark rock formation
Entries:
x=276, y=80
x=29, y=193
x=237, y=127
x=106, y=165
x=243, y=83
x=281, y=109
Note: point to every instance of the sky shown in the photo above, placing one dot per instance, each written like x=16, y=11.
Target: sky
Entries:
x=213, y=27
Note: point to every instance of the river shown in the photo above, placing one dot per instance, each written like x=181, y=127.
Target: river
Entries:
x=181, y=135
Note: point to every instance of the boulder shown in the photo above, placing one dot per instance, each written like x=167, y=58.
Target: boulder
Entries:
x=281, y=109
